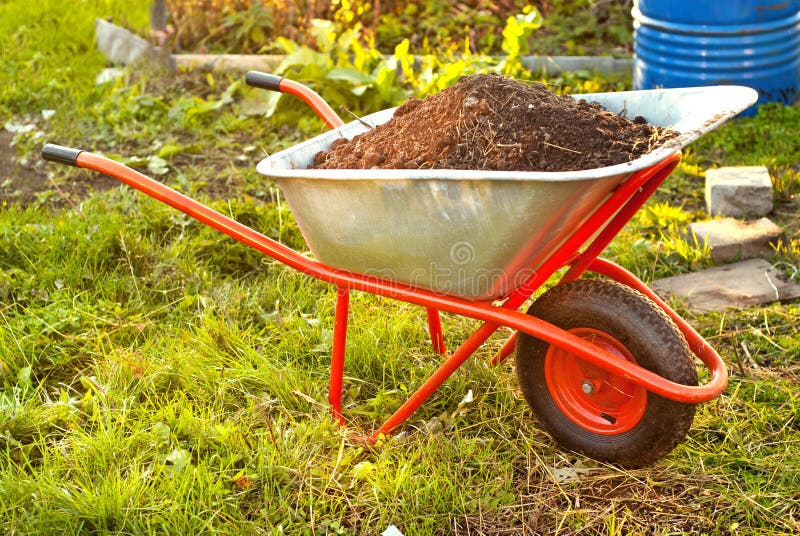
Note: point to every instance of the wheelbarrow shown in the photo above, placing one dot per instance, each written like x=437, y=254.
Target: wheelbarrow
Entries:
x=606, y=365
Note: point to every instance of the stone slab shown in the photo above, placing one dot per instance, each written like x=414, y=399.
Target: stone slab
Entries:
x=119, y=45
x=739, y=285
x=730, y=239
x=738, y=191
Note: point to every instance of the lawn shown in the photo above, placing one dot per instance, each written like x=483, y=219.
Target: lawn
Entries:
x=160, y=378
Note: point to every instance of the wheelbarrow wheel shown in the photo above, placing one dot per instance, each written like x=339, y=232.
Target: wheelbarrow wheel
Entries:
x=588, y=409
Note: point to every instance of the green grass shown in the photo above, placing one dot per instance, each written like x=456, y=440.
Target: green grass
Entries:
x=160, y=378
x=48, y=54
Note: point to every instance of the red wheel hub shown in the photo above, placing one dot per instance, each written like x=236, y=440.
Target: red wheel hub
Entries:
x=589, y=396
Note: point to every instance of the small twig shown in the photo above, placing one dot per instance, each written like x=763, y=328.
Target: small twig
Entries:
x=63, y=195
x=358, y=118
x=562, y=148
x=736, y=355
x=268, y=422
x=98, y=387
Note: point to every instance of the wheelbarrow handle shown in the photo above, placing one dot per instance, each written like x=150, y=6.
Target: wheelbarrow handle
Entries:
x=271, y=82
x=61, y=154
x=274, y=82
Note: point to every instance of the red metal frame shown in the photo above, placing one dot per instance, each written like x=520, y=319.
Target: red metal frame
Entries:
x=435, y=331
x=312, y=98
x=610, y=216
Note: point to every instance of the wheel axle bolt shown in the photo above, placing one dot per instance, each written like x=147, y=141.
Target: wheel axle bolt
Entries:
x=587, y=387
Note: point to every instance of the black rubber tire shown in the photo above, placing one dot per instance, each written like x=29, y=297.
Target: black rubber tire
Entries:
x=652, y=339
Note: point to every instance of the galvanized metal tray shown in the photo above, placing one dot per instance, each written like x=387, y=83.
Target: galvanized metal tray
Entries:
x=473, y=234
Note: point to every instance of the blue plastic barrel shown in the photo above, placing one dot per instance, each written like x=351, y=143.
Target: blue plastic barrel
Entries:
x=682, y=43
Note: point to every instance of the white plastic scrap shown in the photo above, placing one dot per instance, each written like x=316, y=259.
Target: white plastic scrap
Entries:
x=573, y=473
x=19, y=129
x=109, y=75
x=391, y=530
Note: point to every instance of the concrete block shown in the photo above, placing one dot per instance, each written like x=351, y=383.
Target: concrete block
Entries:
x=739, y=191
x=730, y=239
x=119, y=45
x=739, y=285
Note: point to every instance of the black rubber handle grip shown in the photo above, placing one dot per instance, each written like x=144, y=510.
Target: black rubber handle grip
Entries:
x=61, y=154
x=263, y=80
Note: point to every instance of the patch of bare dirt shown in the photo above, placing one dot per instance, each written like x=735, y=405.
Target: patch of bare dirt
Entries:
x=30, y=183
x=649, y=502
x=493, y=122
x=17, y=182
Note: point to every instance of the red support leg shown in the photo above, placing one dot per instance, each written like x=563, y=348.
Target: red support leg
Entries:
x=506, y=350
x=435, y=329
x=337, y=353
x=450, y=365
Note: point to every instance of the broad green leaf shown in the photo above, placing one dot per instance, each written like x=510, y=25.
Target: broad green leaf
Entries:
x=349, y=75
x=24, y=376
x=169, y=150
x=157, y=165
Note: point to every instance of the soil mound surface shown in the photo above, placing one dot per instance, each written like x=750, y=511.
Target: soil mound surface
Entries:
x=489, y=121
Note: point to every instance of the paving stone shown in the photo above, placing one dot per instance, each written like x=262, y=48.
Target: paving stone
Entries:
x=738, y=191
x=730, y=239
x=739, y=285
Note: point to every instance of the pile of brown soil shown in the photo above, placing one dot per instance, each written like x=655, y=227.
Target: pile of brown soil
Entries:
x=493, y=122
